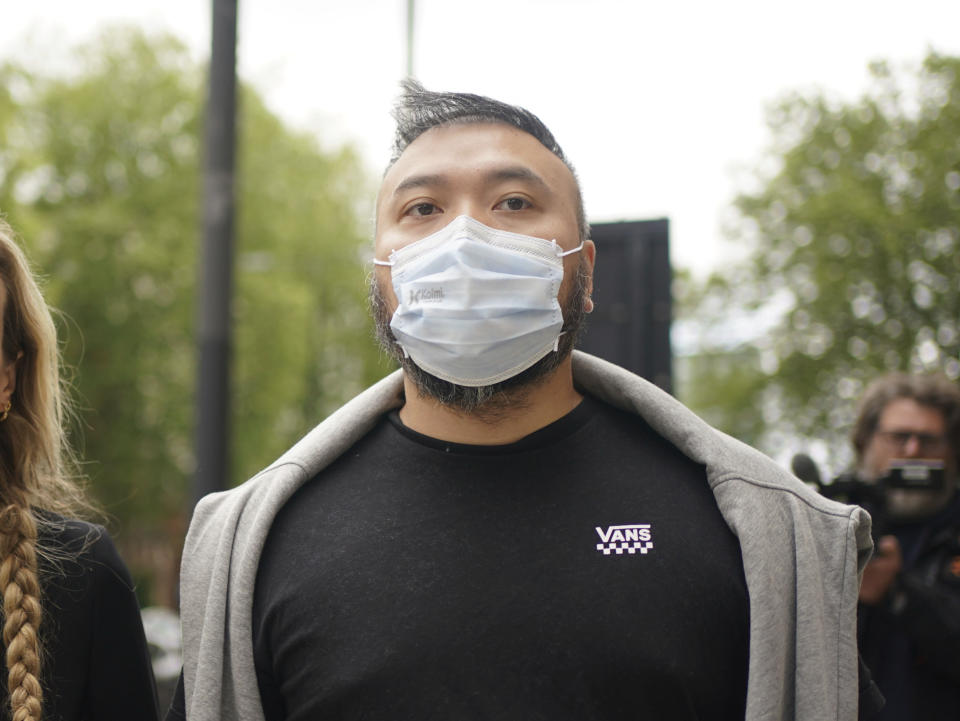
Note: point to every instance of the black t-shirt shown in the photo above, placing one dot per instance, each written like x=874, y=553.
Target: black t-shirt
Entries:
x=95, y=659
x=583, y=572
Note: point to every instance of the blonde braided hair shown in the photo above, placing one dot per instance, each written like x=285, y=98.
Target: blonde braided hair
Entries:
x=37, y=470
x=21, y=612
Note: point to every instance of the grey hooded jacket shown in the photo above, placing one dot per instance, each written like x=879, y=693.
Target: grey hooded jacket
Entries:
x=802, y=557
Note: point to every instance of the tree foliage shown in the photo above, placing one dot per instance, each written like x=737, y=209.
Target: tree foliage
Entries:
x=100, y=175
x=854, y=264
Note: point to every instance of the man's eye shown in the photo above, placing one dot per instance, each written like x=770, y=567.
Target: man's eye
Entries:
x=422, y=209
x=514, y=204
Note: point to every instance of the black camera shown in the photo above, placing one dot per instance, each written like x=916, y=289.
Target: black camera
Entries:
x=917, y=475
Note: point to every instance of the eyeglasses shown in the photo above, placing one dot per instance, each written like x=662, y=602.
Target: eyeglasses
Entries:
x=926, y=442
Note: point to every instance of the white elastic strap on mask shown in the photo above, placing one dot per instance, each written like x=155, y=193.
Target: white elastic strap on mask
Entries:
x=562, y=253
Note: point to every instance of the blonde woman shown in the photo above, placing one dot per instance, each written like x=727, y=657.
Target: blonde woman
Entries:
x=73, y=641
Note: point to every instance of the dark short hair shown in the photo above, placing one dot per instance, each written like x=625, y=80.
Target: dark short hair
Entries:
x=418, y=110
x=933, y=390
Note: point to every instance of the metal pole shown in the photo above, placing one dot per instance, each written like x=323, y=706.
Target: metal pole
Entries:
x=216, y=271
x=411, y=14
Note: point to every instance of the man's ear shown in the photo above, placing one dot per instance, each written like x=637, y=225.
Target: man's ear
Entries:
x=589, y=255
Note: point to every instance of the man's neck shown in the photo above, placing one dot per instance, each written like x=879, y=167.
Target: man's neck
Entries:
x=534, y=407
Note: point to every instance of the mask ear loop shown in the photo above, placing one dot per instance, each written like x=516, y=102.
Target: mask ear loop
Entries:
x=564, y=253
x=391, y=263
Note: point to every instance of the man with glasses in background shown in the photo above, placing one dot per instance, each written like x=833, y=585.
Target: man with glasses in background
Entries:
x=907, y=441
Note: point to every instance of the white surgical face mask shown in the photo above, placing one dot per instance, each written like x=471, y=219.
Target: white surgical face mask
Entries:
x=477, y=305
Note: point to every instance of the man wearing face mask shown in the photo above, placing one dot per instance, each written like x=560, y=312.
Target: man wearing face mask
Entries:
x=505, y=528
x=907, y=440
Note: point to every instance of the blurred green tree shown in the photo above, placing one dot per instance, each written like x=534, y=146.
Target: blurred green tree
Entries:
x=99, y=173
x=853, y=269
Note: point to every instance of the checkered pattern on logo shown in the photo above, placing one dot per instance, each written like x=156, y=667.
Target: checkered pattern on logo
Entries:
x=621, y=547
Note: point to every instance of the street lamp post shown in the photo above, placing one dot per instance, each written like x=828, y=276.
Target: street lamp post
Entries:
x=216, y=271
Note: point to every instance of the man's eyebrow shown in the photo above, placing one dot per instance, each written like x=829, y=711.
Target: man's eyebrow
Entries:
x=517, y=172
x=419, y=181
x=509, y=172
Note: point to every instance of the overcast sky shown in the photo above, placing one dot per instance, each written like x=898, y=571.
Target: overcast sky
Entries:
x=660, y=106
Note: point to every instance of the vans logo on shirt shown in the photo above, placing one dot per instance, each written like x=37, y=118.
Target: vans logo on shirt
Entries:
x=625, y=539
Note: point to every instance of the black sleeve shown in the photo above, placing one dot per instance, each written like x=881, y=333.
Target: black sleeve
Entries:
x=177, y=710
x=120, y=683
x=871, y=700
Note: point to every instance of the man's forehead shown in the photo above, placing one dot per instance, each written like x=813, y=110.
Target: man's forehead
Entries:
x=906, y=408
x=444, y=149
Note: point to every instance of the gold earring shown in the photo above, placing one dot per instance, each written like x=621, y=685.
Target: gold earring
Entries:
x=6, y=410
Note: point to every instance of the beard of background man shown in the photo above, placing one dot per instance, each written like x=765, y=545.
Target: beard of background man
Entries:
x=492, y=402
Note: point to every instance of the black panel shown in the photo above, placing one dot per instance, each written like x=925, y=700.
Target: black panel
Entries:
x=630, y=325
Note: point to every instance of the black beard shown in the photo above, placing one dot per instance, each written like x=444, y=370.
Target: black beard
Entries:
x=490, y=402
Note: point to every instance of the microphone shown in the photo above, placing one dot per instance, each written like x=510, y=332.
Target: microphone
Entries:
x=805, y=468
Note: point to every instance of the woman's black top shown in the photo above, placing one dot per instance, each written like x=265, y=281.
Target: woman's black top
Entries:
x=96, y=665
